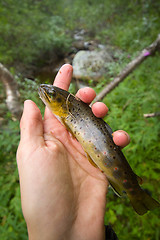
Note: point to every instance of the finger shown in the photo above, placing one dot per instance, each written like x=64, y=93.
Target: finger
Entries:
x=50, y=121
x=64, y=77
x=31, y=124
x=62, y=80
x=99, y=109
x=121, y=138
x=48, y=114
x=86, y=94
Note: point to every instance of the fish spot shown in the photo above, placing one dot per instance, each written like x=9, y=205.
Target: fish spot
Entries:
x=110, y=146
x=114, y=157
x=125, y=180
x=59, y=100
x=95, y=148
x=117, y=173
x=126, y=184
x=108, y=162
x=133, y=183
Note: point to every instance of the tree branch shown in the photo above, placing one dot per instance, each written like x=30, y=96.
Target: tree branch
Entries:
x=12, y=95
x=150, y=50
x=149, y=115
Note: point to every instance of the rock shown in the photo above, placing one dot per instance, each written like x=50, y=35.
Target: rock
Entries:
x=91, y=64
x=79, y=34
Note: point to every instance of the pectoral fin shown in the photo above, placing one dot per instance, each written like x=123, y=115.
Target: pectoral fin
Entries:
x=90, y=160
x=66, y=126
x=116, y=188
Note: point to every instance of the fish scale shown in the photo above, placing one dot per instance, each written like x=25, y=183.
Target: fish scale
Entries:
x=95, y=136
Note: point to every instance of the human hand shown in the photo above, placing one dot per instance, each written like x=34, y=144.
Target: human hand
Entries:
x=63, y=196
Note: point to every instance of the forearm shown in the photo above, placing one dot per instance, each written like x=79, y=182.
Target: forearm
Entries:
x=43, y=233
x=94, y=230
x=107, y=234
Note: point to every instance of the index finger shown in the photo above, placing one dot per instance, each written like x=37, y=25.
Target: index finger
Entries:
x=31, y=124
x=62, y=80
x=64, y=77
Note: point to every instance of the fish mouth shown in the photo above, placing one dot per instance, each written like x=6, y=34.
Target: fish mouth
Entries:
x=43, y=95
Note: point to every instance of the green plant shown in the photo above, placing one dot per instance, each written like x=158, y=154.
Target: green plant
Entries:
x=138, y=94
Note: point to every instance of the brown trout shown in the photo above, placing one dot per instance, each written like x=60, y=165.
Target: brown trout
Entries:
x=95, y=136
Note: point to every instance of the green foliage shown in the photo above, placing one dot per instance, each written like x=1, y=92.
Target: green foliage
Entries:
x=138, y=94
x=12, y=224
x=132, y=25
x=37, y=31
x=28, y=32
x=28, y=89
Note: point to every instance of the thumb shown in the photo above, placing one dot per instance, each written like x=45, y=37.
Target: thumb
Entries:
x=31, y=124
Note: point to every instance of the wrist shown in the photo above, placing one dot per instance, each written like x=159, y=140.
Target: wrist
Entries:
x=42, y=234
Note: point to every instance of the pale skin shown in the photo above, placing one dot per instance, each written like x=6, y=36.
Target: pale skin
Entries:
x=63, y=196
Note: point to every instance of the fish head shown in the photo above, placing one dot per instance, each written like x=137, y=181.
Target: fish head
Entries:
x=54, y=98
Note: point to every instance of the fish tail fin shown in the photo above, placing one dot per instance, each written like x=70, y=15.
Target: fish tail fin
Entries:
x=143, y=202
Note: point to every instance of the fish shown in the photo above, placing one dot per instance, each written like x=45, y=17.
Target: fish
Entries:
x=95, y=136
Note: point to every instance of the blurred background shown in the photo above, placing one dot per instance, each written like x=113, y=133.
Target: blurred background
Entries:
x=99, y=38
